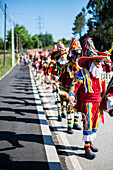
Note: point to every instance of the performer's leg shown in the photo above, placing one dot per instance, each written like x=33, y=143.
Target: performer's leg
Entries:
x=70, y=114
x=88, y=135
x=64, y=109
x=88, y=150
x=69, y=123
x=93, y=148
x=76, y=117
x=59, y=111
x=95, y=120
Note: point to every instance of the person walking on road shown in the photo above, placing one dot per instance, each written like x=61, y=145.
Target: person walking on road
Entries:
x=68, y=73
x=61, y=60
x=89, y=85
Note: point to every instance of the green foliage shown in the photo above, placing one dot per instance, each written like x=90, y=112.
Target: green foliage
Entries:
x=8, y=64
x=23, y=40
x=79, y=23
x=1, y=44
x=46, y=39
x=66, y=42
x=36, y=42
x=101, y=23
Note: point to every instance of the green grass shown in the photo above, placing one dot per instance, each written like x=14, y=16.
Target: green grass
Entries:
x=8, y=64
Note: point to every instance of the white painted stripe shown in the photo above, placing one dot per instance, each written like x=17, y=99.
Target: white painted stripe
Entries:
x=51, y=153
x=61, y=136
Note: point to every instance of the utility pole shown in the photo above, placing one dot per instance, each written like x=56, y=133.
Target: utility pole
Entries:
x=17, y=43
x=37, y=42
x=13, y=51
x=20, y=45
x=17, y=48
x=5, y=37
x=39, y=23
x=39, y=28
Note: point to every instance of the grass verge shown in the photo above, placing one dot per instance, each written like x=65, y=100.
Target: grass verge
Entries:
x=8, y=64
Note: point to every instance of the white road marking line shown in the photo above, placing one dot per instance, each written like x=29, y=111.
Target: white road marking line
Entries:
x=8, y=72
x=61, y=136
x=51, y=153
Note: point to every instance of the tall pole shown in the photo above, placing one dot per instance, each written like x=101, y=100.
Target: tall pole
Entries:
x=5, y=37
x=37, y=42
x=39, y=23
x=17, y=43
x=13, y=51
x=17, y=36
x=39, y=27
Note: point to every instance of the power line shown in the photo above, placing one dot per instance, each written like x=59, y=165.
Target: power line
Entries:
x=3, y=3
x=2, y=8
x=3, y=11
x=8, y=16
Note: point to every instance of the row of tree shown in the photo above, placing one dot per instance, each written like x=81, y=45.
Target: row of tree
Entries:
x=23, y=40
x=100, y=28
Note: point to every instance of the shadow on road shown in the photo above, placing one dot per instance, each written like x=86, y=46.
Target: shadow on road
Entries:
x=7, y=164
x=14, y=139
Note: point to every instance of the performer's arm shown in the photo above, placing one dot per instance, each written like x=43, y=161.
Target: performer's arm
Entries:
x=103, y=105
x=76, y=83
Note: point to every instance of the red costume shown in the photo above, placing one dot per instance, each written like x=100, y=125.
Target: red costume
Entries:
x=89, y=86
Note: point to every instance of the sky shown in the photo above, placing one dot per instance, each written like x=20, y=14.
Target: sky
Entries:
x=55, y=17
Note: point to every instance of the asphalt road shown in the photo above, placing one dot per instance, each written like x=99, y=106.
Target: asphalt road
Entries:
x=21, y=140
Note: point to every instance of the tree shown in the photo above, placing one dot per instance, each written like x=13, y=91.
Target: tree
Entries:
x=36, y=42
x=79, y=23
x=20, y=34
x=66, y=42
x=1, y=44
x=101, y=23
x=46, y=39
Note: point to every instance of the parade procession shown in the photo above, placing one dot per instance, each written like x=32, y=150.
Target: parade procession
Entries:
x=76, y=77
x=56, y=85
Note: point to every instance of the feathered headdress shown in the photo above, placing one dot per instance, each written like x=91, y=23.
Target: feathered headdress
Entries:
x=90, y=53
x=75, y=45
x=89, y=48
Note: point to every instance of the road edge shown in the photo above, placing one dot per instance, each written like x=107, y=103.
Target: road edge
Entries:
x=8, y=72
x=51, y=153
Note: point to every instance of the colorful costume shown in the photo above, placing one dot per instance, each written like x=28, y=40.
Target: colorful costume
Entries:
x=50, y=76
x=61, y=59
x=108, y=68
x=68, y=73
x=88, y=90
x=108, y=98
x=89, y=86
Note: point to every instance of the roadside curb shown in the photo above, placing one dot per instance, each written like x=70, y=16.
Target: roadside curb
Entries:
x=8, y=71
x=51, y=153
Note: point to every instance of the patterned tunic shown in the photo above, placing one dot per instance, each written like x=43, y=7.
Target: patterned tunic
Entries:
x=50, y=67
x=68, y=73
x=89, y=91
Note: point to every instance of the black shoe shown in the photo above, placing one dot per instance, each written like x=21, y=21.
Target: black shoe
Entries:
x=53, y=91
x=70, y=130
x=59, y=118
x=77, y=127
x=63, y=115
x=93, y=148
x=55, y=102
x=89, y=153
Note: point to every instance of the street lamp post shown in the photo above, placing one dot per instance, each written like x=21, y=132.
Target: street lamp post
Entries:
x=13, y=51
